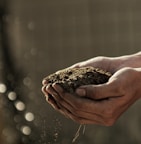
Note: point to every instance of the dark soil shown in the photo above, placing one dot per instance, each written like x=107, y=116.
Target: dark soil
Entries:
x=70, y=79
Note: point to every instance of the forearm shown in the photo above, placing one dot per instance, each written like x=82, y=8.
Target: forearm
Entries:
x=112, y=64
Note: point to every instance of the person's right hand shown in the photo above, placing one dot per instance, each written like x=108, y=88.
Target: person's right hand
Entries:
x=100, y=104
x=109, y=64
x=106, y=63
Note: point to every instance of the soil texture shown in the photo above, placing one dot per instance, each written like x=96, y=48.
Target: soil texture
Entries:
x=70, y=79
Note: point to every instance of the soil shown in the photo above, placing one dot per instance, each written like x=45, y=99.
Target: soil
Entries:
x=70, y=79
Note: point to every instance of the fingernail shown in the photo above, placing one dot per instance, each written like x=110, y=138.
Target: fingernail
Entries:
x=81, y=92
x=44, y=82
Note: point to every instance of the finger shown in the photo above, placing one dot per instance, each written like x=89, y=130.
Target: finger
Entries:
x=81, y=118
x=54, y=94
x=51, y=96
x=44, y=90
x=103, y=91
x=67, y=97
x=52, y=102
x=78, y=119
x=102, y=110
x=57, y=107
x=78, y=113
x=108, y=116
x=49, y=89
x=68, y=104
x=44, y=81
x=108, y=120
x=79, y=103
x=57, y=98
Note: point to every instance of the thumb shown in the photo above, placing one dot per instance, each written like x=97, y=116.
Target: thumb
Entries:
x=102, y=91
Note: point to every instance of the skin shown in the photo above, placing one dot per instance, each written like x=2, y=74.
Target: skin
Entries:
x=100, y=104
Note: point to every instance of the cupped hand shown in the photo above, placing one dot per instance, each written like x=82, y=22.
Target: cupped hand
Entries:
x=99, y=104
x=101, y=62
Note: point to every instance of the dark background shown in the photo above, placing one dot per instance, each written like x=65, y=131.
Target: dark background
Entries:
x=40, y=37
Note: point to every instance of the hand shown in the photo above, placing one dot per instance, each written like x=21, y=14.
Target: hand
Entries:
x=100, y=104
x=112, y=64
x=97, y=103
x=105, y=63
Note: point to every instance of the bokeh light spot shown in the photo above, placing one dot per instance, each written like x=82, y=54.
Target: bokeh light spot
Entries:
x=27, y=81
x=20, y=106
x=29, y=116
x=2, y=88
x=12, y=96
x=26, y=130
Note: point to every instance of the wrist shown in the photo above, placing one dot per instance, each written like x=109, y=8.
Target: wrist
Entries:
x=133, y=60
x=138, y=80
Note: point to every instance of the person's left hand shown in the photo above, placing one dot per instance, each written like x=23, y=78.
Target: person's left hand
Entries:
x=98, y=104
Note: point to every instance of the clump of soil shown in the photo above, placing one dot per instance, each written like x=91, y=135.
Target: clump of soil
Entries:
x=70, y=79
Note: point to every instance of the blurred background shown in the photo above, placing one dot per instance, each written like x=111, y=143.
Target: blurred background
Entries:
x=40, y=37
